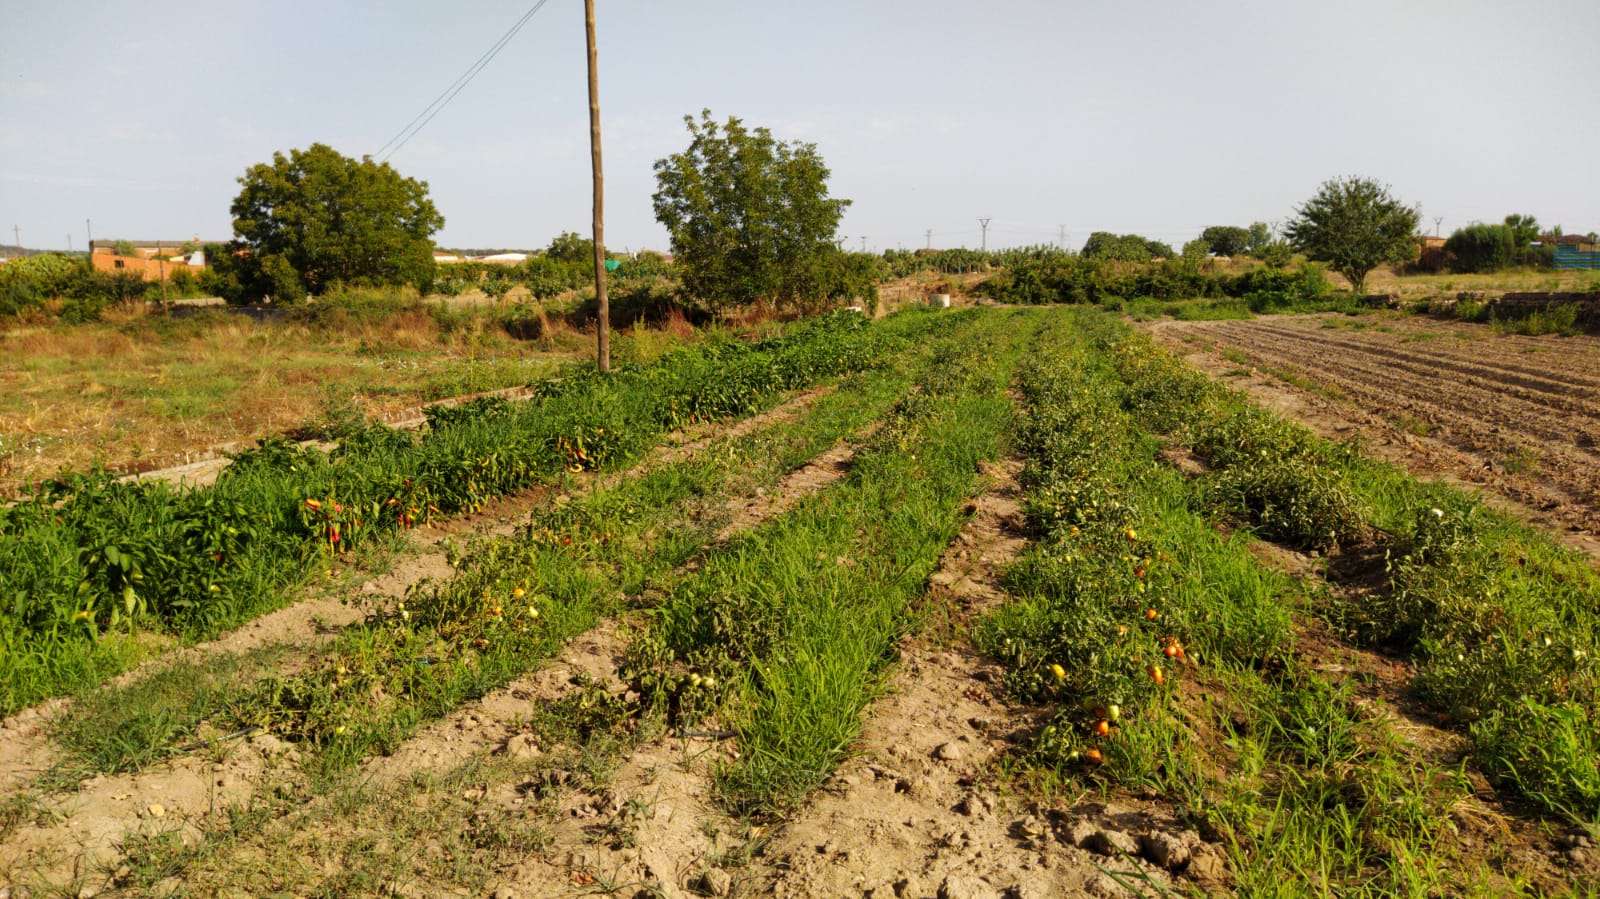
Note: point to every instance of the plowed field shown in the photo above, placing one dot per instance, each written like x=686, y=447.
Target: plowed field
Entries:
x=1519, y=415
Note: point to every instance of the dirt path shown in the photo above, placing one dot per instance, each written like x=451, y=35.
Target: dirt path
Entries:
x=1516, y=418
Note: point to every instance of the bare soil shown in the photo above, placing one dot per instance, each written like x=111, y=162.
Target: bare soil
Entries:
x=1516, y=417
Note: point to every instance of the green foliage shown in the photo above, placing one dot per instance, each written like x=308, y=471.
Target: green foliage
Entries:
x=124, y=248
x=1277, y=253
x=750, y=216
x=1228, y=240
x=1260, y=237
x=1481, y=248
x=316, y=218
x=1354, y=225
x=1048, y=275
x=1492, y=248
x=84, y=292
x=570, y=246
x=950, y=262
x=1524, y=229
x=1125, y=248
x=89, y=555
x=1196, y=251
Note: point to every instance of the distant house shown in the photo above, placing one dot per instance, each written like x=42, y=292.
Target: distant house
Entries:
x=152, y=260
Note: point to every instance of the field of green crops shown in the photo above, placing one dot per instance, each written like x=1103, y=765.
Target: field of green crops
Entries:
x=1345, y=681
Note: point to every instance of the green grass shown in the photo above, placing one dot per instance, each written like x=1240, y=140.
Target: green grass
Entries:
x=114, y=729
x=796, y=621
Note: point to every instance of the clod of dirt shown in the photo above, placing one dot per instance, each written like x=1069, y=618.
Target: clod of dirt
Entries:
x=523, y=746
x=1164, y=849
x=716, y=882
x=957, y=886
x=1107, y=841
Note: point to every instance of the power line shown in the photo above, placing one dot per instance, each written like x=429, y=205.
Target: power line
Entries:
x=440, y=102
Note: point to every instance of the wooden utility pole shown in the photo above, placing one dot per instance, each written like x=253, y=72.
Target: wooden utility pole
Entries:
x=604, y=326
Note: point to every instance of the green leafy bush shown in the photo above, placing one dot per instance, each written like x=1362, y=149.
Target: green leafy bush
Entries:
x=1481, y=248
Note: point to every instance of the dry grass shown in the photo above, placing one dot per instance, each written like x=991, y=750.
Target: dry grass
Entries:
x=138, y=391
x=1384, y=280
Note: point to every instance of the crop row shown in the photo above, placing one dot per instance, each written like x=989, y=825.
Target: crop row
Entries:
x=89, y=563
x=786, y=635
x=1172, y=654
x=1502, y=625
x=512, y=601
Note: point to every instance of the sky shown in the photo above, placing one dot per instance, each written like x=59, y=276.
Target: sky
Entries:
x=1158, y=117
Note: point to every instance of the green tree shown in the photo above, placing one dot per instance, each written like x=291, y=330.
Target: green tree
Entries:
x=316, y=218
x=749, y=215
x=1125, y=248
x=1354, y=225
x=1524, y=229
x=1196, y=250
x=124, y=248
x=1227, y=240
x=1260, y=237
x=570, y=246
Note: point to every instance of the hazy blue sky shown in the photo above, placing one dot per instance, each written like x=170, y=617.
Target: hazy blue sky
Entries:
x=1155, y=117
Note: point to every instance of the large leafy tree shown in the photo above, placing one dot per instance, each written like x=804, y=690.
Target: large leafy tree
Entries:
x=749, y=215
x=1227, y=240
x=1260, y=237
x=1125, y=248
x=1524, y=229
x=1354, y=225
x=316, y=218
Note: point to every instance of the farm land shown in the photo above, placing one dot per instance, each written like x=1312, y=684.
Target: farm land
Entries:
x=973, y=602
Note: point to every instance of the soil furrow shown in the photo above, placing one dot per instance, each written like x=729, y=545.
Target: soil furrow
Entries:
x=1558, y=493
x=1300, y=348
x=1482, y=420
x=1483, y=364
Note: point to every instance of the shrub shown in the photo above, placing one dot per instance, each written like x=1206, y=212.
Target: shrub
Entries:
x=1481, y=248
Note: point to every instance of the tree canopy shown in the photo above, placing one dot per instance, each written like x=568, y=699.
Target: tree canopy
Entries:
x=1227, y=240
x=1354, y=225
x=1524, y=229
x=316, y=218
x=749, y=215
x=1125, y=248
x=1260, y=237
